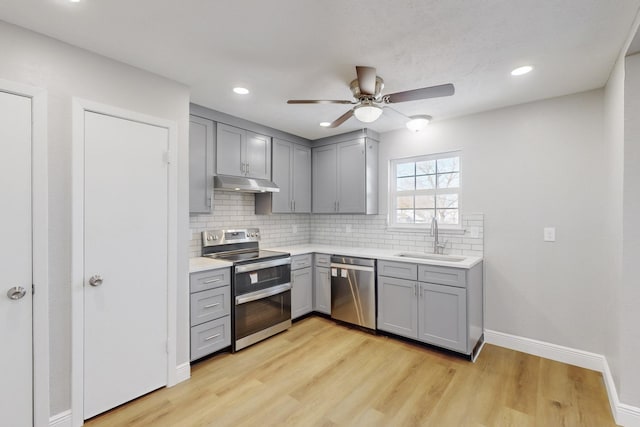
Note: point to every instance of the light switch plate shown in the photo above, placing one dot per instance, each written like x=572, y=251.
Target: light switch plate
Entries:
x=549, y=234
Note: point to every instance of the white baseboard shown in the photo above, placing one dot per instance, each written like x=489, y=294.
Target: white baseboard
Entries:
x=625, y=415
x=183, y=372
x=63, y=419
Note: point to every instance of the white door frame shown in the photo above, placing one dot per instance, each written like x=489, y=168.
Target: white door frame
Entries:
x=80, y=106
x=40, y=246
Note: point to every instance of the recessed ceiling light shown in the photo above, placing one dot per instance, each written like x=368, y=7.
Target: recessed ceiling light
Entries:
x=418, y=123
x=74, y=1
x=241, y=90
x=325, y=124
x=521, y=70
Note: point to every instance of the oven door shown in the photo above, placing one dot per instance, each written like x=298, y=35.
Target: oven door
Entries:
x=261, y=314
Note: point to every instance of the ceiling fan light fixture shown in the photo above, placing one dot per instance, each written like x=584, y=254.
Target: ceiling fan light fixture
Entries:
x=241, y=90
x=367, y=112
x=418, y=123
x=325, y=124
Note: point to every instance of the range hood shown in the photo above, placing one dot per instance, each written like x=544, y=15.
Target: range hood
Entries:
x=243, y=184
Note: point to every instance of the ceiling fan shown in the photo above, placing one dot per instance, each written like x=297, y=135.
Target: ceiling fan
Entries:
x=367, y=91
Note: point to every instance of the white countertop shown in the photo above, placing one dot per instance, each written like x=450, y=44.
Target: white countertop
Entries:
x=375, y=253
x=203, y=264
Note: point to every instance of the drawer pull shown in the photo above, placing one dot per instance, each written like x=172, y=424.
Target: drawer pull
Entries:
x=211, y=305
x=212, y=281
x=212, y=337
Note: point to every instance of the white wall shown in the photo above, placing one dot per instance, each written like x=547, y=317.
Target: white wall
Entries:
x=630, y=289
x=527, y=167
x=66, y=71
x=614, y=157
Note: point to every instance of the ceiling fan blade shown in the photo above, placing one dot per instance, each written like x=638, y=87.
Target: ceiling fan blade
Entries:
x=319, y=101
x=366, y=80
x=424, y=93
x=343, y=118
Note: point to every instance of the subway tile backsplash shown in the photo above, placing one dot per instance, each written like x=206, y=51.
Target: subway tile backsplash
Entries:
x=238, y=210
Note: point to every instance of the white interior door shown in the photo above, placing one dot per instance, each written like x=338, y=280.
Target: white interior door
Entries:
x=126, y=245
x=16, y=356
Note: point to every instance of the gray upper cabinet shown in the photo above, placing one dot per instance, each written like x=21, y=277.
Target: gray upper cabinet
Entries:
x=292, y=173
x=325, y=182
x=345, y=177
x=201, y=164
x=242, y=153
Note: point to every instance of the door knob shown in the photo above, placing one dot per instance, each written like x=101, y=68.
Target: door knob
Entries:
x=95, y=280
x=16, y=292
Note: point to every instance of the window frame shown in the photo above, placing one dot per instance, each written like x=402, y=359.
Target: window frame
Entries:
x=393, y=192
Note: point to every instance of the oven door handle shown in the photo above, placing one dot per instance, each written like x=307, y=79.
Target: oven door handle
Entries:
x=243, y=299
x=262, y=265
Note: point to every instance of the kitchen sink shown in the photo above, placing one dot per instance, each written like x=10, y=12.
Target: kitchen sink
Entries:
x=434, y=257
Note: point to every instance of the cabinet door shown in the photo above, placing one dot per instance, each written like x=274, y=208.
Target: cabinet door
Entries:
x=282, y=163
x=301, y=178
x=398, y=306
x=201, y=164
x=258, y=156
x=230, y=145
x=324, y=179
x=443, y=316
x=351, y=176
x=301, y=292
x=322, y=290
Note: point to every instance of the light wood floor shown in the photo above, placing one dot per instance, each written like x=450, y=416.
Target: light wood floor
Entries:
x=322, y=374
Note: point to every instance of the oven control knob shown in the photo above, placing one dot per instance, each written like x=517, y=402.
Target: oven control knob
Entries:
x=209, y=238
x=253, y=234
x=257, y=234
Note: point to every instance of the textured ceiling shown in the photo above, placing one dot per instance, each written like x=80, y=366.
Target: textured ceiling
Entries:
x=283, y=49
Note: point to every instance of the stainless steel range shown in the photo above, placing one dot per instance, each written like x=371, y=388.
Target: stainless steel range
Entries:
x=260, y=285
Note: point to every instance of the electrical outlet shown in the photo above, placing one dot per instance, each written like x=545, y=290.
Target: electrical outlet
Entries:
x=549, y=234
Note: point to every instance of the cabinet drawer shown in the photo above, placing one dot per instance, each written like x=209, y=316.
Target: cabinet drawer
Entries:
x=300, y=261
x=442, y=275
x=209, y=279
x=323, y=260
x=210, y=337
x=209, y=305
x=401, y=270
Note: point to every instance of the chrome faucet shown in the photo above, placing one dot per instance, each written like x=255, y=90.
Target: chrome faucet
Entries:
x=438, y=248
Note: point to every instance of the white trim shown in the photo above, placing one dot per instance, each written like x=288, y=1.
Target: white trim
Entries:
x=183, y=372
x=583, y=359
x=624, y=415
x=63, y=419
x=79, y=106
x=40, y=250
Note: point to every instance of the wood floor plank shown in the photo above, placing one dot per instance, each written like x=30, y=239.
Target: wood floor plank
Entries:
x=322, y=374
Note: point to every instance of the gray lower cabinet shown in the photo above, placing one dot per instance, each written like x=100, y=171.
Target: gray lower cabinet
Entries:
x=301, y=286
x=322, y=284
x=397, y=306
x=210, y=311
x=201, y=164
x=436, y=305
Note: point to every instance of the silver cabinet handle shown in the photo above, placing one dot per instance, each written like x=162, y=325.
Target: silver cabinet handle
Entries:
x=415, y=289
x=212, y=305
x=420, y=288
x=294, y=205
x=212, y=337
x=211, y=281
x=95, y=280
x=242, y=167
x=16, y=292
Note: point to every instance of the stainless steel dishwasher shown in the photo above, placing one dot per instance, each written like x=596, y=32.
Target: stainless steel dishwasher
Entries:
x=353, y=290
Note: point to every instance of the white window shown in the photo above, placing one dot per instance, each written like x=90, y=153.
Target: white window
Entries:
x=423, y=187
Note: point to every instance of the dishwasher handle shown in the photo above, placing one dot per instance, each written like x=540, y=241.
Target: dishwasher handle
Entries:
x=352, y=267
